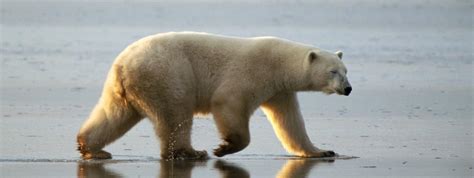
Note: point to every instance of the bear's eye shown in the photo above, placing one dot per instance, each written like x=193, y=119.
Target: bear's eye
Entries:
x=333, y=71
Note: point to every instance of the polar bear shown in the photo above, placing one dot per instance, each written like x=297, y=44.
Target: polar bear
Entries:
x=170, y=77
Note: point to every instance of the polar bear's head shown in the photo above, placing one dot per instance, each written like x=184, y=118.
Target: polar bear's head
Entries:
x=327, y=73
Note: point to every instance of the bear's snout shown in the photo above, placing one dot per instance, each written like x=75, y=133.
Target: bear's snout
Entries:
x=347, y=91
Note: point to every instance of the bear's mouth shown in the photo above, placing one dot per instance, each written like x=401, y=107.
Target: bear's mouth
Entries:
x=340, y=92
x=328, y=91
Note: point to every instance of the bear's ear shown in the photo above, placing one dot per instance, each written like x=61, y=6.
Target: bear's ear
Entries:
x=339, y=53
x=312, y=57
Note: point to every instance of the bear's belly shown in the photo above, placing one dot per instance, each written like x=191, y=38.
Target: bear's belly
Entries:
x=203, y=100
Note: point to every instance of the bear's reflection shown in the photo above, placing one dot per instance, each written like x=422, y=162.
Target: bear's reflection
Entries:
x=183, y=168
x=178, y=168
x=230, y=170
x=299, y=167
x=94, y=169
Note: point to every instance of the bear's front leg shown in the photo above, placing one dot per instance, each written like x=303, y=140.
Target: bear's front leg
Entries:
x=232, y=143
x=232, y=120
x=283, y=112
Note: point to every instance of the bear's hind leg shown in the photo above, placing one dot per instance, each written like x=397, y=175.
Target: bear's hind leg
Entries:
x=103, y=127
x=174, y=131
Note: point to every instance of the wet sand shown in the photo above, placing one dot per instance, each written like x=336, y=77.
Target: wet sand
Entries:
x=410, y=63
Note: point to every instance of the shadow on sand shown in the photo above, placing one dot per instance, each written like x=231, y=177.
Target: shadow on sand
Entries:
x=183, y=168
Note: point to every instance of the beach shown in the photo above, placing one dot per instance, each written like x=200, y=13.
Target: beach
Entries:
x=410, y=113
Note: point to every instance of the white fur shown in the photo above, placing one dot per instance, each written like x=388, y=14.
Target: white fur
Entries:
x=170, y=77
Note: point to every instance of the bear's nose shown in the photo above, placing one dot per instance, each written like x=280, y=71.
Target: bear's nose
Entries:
x=347, y=91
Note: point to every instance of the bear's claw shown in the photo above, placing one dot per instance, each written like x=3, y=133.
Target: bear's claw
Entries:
x=328, y=154
x=231, y=144
x=183, y=154
x=322, y=154
x=225, y=148
x=222, y=150
x=87, y=154
x=98, y=155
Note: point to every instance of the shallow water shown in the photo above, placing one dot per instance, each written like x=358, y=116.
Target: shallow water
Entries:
x=238, y=167
x=410, y=64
